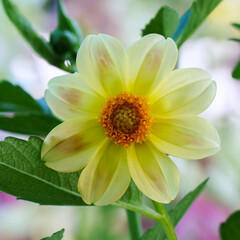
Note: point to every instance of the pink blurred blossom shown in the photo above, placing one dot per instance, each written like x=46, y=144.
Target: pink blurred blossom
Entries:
x=6, y=198
x=97, y=16
x=202, y=220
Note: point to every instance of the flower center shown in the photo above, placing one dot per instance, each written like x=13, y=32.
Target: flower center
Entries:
x=126, y=118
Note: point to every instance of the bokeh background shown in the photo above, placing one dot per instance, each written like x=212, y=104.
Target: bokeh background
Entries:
x=209, y=48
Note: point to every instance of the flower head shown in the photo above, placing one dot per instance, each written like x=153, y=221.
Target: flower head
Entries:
x=124, y=112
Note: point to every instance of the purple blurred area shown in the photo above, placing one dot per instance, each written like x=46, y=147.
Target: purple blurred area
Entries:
x=6, y=198
x=209, y=48
x=203, y=219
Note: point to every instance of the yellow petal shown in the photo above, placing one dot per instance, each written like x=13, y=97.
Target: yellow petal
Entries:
x=102, y=63
x=71, y=145
x=61, y=109
x=185, y=136
x=69, y=97
x=153, y=172
x=184, y=91
x=106, y=177
x=150, y=59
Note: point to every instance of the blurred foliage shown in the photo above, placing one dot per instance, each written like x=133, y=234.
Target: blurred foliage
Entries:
x=48, y=50
x=236, y=70
x=28, y=123
x=15, y=99
x=230, y=230
x=101, y=223
x=20, y=113
x=56, y=236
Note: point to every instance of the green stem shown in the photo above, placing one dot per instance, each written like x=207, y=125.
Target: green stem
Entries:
x=142, y=209
x=134, y=225
x=165, y=221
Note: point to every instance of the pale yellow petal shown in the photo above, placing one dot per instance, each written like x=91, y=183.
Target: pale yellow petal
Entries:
x=185, y=136
x=61, y=109
x=73, y=93
x=106, y=177
x=69, y=97
x=153, y=172
x=150, y=59
x=71, y=145
x=184, y=91
x=102, y=63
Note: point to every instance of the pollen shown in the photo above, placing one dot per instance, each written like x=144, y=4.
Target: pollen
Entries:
x=126, y=119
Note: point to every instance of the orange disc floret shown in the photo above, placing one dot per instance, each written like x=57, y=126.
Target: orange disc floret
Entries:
x=126, y=118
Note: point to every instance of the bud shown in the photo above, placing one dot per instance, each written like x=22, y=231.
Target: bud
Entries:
x=64, y=42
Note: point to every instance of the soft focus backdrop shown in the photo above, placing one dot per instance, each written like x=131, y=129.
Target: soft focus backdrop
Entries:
x=209, y=49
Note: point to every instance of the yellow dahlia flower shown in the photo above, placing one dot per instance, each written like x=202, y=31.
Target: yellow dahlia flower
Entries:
x=124, y=112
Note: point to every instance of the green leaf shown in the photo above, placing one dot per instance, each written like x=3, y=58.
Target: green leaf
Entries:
x=24, y=175
x=236, y=25
x=199, y=11
x=235, y=39
x=236, y=71
x=28, y=123
x=14, y=99
x=27, y=116
x=40, y=45
x=65, y=44
x=176, y=213
x=65, y=23
x=230, y=230
x=56, y=236
x=165, y=22
x=132, y=195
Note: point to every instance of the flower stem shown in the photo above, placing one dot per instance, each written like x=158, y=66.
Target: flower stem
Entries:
x=134, y=225
x=142, y=209
x=165, y=221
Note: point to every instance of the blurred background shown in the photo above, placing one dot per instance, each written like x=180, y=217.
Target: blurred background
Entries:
x=209, y=48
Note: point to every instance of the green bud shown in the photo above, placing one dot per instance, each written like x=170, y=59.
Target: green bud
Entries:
x=64, y=42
